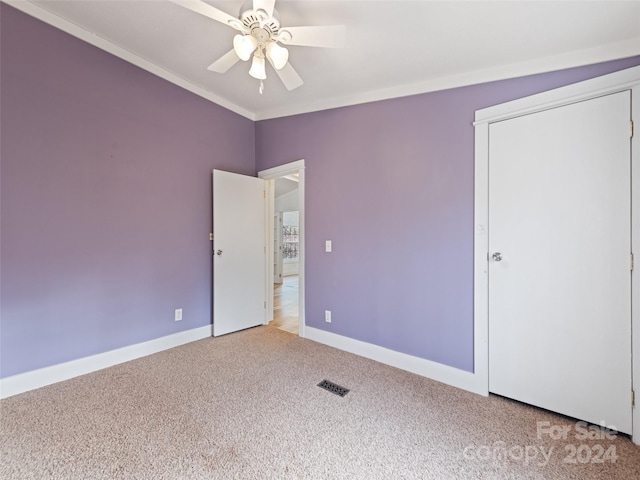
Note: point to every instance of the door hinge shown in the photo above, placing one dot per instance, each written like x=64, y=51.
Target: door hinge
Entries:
x=630, y=128
x=265, y=304
x=264, y=194
x=633, y=398
x=631, y=257
x=211, y=237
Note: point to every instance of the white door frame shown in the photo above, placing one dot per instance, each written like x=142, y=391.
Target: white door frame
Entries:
x=277, y=238
x=270, y=175
x=628, y=79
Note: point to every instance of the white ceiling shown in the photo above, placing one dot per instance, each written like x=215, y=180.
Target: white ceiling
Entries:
x=393, y=48
x=284, y=185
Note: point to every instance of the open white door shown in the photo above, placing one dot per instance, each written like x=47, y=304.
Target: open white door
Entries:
x=239, y=242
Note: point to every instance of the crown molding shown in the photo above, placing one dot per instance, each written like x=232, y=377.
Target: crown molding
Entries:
x=604, y=53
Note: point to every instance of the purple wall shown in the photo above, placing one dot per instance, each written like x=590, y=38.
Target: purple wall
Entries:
x=391, y=184
x=105, y=203
x=105, y=191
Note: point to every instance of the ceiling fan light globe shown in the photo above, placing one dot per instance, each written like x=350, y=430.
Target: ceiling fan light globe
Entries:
x=257, y=69
x=244, y=46
x=278, y=55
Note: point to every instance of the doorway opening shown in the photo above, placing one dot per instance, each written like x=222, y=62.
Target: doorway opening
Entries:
x=285, y=240
x=285, y=305
x=286, y=252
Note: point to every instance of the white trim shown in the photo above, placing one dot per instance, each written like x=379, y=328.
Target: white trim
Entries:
x=635, y=247
x=603, y=85
x=425, y=368
x=480, y=268
x=41, y=377
x=85, y=35
x=281, y=170
x=271, y=174
x=270, y=226
x=301, y=254
x=615, y=51
x=595, y=87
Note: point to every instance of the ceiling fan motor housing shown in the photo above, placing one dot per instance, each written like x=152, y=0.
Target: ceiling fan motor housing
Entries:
x=258, y=23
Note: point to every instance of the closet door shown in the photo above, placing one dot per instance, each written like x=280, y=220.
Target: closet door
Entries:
x=559, y=268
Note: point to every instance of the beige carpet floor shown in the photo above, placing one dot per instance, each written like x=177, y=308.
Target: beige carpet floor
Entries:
x=246, y=406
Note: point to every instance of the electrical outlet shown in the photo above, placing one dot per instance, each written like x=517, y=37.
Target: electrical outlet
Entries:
x=327, y=246
x=327, y=316
x=178, y=315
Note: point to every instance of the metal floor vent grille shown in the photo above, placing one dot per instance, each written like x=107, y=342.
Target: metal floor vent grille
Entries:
x=333, y=388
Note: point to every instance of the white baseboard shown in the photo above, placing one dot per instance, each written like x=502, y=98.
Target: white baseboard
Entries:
x=41, y=377
x=24, y=382
x=426, y=368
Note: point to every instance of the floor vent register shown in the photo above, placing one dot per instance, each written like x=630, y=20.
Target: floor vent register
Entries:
x=333, y=388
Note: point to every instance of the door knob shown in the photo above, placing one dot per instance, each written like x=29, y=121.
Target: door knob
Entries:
x=218, y=252
x=497, y=256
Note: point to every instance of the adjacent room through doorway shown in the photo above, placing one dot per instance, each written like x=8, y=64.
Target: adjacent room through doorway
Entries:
x=285, y=305
x=286, y=250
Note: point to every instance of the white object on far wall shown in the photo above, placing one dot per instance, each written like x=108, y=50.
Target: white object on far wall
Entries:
x=290, y=225
x=287, y=204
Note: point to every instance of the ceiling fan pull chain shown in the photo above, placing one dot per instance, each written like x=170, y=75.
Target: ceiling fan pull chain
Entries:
x=261, y=89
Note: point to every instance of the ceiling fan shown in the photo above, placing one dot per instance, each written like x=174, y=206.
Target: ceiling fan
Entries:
x=260, y=37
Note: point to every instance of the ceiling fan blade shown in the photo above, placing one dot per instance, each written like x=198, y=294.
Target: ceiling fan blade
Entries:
x=209, y=11
x=225, y=62
x=289, y=76
x=266, y=5
x=330, y=36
